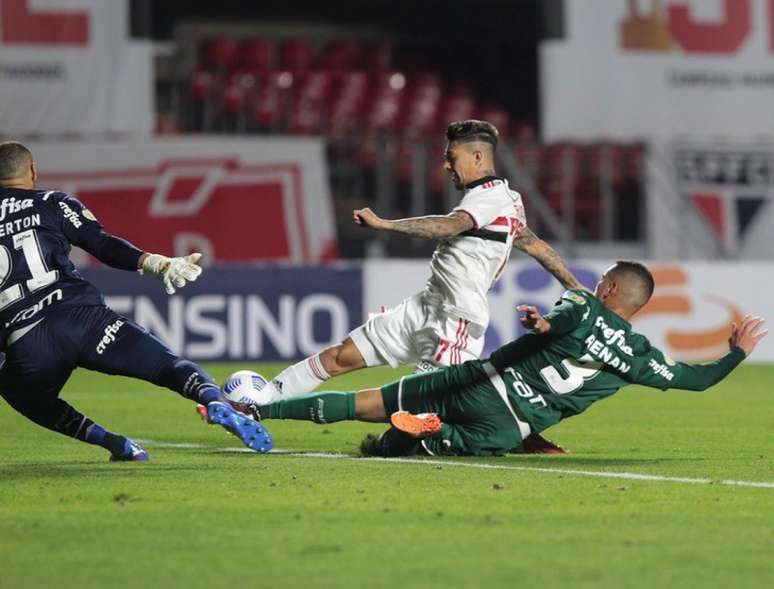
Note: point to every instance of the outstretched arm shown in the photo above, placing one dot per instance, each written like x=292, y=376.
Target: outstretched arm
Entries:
x=430, y=226
x=661, y=372
x=81, y=228
x=531, y=244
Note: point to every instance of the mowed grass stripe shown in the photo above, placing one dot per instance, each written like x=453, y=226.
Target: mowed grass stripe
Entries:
x=633, y=476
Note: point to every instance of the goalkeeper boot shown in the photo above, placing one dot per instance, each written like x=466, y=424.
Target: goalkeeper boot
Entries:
x=421, y=425
x=132, y=451
x=248, y=430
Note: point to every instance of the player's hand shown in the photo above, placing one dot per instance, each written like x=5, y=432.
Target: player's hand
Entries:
x=747, y=334
x=173, y=272
x=533, y=320
x=367, y=218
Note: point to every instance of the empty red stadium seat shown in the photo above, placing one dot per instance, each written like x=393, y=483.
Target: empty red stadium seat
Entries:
x=347, y=104
x=297, y=55
x=455, y=107
x=201, y=85
x=273, y=98
x=312, y=103
x=259, y=54
x=498, y=117
x=232, y=98
x=341, y=55
x=385, y=107
x=221, y=54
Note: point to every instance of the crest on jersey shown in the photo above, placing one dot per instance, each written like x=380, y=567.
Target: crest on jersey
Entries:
x=88, y=214
x=575, y=298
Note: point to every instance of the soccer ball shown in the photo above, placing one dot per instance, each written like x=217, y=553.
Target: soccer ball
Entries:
x=247, y=389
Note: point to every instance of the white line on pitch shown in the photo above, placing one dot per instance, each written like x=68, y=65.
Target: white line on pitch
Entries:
x=632, y=476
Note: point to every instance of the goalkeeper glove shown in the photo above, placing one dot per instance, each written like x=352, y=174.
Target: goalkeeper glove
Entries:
x=173, y=272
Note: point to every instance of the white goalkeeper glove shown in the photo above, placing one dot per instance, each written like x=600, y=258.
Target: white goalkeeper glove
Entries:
x=173, y=272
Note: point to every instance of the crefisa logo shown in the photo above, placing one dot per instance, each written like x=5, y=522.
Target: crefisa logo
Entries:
x=109, y=337
x=9, y=206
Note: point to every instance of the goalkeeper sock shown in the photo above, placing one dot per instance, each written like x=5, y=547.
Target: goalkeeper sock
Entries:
x=301, y=378
x=75, y=424
x=325, y=407
x=96, y=434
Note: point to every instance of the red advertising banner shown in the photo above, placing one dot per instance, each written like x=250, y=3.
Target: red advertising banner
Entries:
x=235, y=201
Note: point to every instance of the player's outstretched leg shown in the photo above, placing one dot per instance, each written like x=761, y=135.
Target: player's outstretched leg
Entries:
x=59, y=416
x=137, y=353
x=322, y=407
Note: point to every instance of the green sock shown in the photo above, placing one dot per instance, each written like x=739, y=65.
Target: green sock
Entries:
x=324, y=407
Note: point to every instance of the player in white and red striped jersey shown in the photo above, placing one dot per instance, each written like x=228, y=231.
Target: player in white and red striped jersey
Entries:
x=445, y=323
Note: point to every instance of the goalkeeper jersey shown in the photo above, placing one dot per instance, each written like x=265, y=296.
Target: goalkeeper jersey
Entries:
x=589, y=353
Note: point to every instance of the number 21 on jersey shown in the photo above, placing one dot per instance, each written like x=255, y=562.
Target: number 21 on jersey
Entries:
x=27, y=242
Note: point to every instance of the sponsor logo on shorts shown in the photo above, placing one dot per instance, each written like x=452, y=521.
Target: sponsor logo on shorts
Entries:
x=110, y=336
x=70, y=214
x=88, y=215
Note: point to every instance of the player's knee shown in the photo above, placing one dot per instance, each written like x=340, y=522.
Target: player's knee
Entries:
x=185, y=378
x=341, y=358
x=333, y=360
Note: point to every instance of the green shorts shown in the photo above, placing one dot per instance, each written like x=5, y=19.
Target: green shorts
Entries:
x=476, y=421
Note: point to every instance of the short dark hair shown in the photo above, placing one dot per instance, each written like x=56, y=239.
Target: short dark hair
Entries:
x=641, y=283
x=472, y=130
x=14, y=158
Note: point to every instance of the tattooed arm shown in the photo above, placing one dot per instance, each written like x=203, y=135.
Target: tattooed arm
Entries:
x=430, y=227
x=531, y=244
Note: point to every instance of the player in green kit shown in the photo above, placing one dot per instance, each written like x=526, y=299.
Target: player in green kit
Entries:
x=582, y=351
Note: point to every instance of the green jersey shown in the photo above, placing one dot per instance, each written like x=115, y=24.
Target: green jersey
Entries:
x=589, y=353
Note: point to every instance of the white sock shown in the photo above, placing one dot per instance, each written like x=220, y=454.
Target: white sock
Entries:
x=300, y=378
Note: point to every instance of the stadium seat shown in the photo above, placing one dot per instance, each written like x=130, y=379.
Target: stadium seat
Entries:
x=387, y=100
x=347, y=103
x=457, y=106
x=341, y=55
x=259, y=55
x=422, y=105
x=200, y=99
x=221, y=54
x=297, y=55
x=311, y=103
x=498, y=117
x=200, y=85
x=272, y=100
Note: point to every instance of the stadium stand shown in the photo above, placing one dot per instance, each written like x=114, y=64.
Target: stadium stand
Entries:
x=376, y=102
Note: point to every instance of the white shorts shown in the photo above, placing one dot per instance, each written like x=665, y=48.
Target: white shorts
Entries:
x=418, y=332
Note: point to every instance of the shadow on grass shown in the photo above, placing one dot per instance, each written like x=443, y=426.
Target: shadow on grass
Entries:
x=88, y=470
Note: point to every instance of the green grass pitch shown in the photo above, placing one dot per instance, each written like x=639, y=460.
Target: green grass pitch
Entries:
x=202, y=515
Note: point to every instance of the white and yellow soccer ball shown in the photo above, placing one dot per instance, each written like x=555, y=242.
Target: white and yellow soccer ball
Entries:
x=246, y=390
